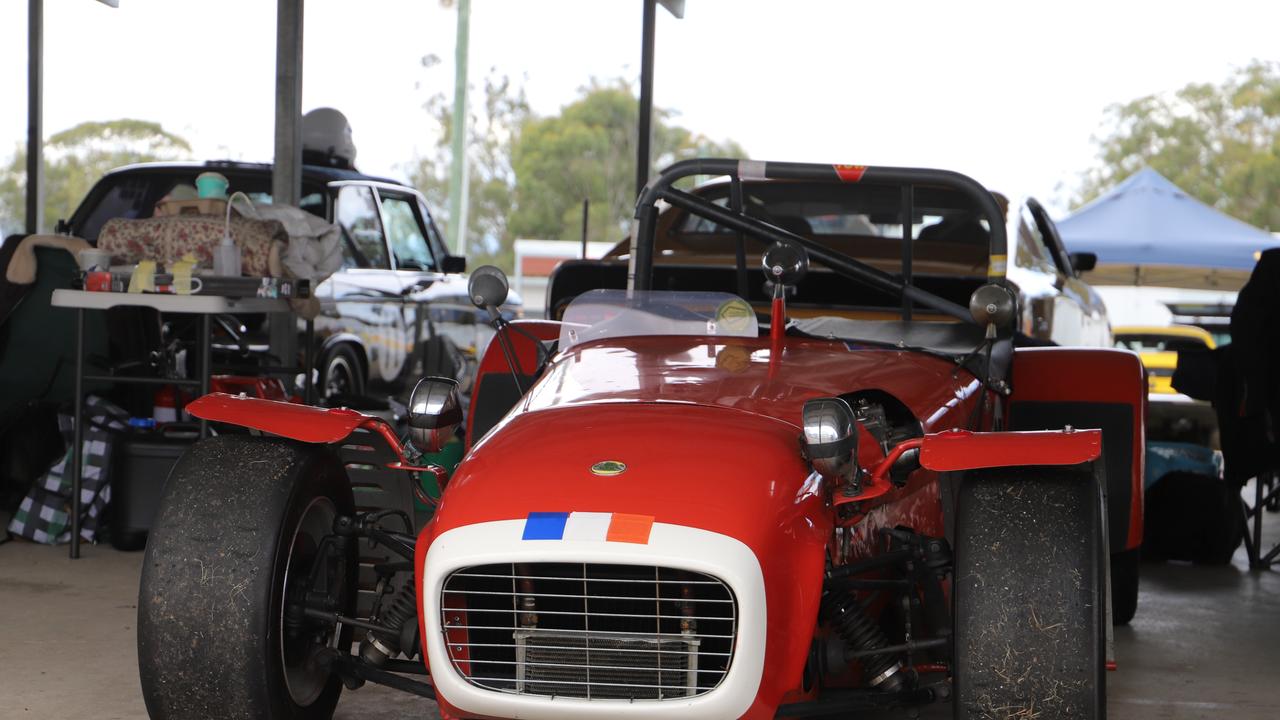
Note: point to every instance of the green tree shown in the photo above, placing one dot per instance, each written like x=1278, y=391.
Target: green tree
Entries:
x=74, y=159
x=529, y=175
x=492, y=129
x=588, y=151
x=1220, y=143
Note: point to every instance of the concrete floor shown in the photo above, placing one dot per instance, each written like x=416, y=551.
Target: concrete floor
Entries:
x=1205, y=642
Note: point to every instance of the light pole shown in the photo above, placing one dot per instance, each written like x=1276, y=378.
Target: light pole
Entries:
x=458, y=175
x=645, y=131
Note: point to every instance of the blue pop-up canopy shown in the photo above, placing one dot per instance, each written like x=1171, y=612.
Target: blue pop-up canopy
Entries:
x=1148, y=231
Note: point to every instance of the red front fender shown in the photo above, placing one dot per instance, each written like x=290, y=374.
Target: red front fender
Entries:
x=303, y=423
x=963, y=450
x=954, y=450
x=299, y=422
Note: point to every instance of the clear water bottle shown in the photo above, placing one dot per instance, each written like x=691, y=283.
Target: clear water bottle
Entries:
x=226, y=258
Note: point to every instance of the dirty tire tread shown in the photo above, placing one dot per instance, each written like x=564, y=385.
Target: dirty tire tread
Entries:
x=1029, y=602
x=207, y=644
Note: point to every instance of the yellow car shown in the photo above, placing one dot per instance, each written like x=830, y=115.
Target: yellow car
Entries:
x=1158, y=347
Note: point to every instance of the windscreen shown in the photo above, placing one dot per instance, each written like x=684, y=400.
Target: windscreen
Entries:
x=615, y=313
x=824, y=209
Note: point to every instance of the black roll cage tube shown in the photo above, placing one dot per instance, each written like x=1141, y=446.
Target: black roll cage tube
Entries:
x=640, y=270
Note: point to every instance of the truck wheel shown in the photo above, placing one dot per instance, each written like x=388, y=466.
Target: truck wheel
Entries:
x=1124, y=585
x=220, y=628
x=342, y=373
x=1030, y=612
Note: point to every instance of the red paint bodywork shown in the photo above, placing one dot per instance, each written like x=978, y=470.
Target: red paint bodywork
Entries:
x=963, y=450
x=763, y=494
x=850, y=173
x=1091, y=376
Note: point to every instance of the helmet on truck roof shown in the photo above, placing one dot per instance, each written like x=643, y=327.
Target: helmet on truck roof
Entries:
x=326, y=138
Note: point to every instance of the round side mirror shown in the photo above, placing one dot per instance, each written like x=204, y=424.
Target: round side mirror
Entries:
x=830, y=437
x=488, y=287
x=785, y=263
x=434, y=413
x=992, y=306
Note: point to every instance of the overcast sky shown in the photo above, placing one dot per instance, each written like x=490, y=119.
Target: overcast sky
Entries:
x=1009, y=93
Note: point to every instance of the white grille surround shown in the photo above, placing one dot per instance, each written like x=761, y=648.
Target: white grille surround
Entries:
x=681, y=551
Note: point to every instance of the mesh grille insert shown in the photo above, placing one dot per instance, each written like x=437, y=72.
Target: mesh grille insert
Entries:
x=587, y=630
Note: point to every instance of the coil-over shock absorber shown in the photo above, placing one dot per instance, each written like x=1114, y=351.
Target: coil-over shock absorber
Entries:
x=398, y=615
x=861, y=634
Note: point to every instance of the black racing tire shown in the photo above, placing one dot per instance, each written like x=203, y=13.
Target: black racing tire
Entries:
x=1124, y=585
x=239, y=522
x=1029, y=593
x=342, y=373
x=128, y=540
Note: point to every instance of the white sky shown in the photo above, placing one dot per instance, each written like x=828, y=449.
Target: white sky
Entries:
x=1008, y=92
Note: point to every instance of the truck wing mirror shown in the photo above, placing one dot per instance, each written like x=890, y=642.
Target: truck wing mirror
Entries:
x=453, y=264
x=1083, y=261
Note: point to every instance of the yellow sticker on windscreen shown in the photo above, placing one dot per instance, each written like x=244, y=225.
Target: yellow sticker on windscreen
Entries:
x=734, y=316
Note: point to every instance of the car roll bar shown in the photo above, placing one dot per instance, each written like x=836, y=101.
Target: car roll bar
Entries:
x=640, y=270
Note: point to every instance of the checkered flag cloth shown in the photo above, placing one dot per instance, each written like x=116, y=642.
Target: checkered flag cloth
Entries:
x=45, y=513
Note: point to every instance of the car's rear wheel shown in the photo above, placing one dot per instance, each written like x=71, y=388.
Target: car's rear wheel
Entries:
x=239, y=537
x=1030, y=610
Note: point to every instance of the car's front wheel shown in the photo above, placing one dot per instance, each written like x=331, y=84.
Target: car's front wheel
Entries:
x=241, y=546
x=1030, y=603
x=342, y=373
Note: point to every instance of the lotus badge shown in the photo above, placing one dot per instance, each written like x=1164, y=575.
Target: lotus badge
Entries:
x=608, y=468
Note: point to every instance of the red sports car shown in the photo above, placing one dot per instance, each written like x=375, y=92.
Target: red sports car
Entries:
x=677, y=503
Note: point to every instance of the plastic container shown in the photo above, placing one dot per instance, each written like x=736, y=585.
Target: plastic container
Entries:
x=140, y=464
x=226, y=258
x=211, y=185
x=165, y=403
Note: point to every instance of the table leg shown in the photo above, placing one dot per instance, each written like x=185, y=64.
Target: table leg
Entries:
x=1256, y=511
x=308, y=391
x=77, y=436
x=206, y=364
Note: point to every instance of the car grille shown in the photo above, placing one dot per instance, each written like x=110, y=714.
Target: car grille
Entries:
x=588, y=630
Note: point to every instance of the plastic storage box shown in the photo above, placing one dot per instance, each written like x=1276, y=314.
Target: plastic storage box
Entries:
x=140, y=464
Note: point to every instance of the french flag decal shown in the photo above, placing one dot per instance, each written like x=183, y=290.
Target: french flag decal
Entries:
x=594, y=526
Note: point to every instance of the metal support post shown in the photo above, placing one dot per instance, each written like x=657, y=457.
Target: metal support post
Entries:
x=35, y=117
x=286, y=175
x=586, y=215
x=206, y=363
x=308, y=364
x=908, y=222
x=645, y=132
